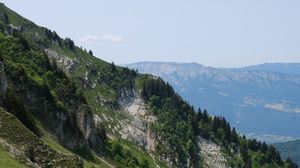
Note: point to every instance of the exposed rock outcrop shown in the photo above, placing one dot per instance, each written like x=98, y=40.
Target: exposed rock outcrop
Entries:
x=74, y=128
x=211, y=154
x=138, y=130
x=67, y=62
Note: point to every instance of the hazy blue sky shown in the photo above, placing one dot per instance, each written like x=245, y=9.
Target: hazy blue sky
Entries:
x=222, y=33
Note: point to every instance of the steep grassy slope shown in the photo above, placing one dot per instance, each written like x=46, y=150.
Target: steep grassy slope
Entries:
x=100, y=82
x=6, y=160
x=35, y=88
x=27, y=147
x=73, y=100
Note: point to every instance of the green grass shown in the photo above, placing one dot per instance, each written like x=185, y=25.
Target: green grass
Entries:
x=94, y=165
x=140, y=153
x=87, y=164
x=13, y=131
x=6, y=160
x=55, y=145
x=18, y=136
x=63, y=51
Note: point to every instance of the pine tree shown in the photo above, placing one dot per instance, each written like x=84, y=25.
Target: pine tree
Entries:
x=113, y=67
x=205, y=116
x=278, y=158
x=264, y=147
x=91, y=52
x=234, y=136
x=227, y=132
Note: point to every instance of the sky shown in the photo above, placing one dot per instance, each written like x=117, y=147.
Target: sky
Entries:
x=219, y=33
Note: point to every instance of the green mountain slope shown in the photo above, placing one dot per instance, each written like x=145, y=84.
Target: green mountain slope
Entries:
x=9, y=161
x=27, y=147
x=109, y=116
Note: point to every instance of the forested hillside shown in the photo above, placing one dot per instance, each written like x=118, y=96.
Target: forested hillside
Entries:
x=243, y=96
x=63, y=107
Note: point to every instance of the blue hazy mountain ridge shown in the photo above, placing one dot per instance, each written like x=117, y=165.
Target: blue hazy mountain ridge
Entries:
x=290, y=150
x=254, y=101
x=288, y=68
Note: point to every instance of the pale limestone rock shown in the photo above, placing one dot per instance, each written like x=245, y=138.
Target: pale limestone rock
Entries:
x=211, y=154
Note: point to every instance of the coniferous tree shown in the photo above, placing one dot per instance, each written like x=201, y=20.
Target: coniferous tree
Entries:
x=278, y=158
x=227, y=132
x=264, y=147
x=234, y=136
x=244, y=153
x=205, y=116
x=271, y=153
x=91, y=52
x=113, y=67
x=69, y=44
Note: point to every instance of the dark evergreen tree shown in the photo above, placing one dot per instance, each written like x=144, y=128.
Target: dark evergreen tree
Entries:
x=227, y=132
x=69, y=44
x=244, y=153
x=113, y=67
x=205, y=116
x=91, y=52
x=234, y=136
x=271, y=153
x=278, y=158
x=264, y=147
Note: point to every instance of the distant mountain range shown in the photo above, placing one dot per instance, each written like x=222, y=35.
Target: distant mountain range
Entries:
x=260, y=100
x=290, y=149
x=288, y=68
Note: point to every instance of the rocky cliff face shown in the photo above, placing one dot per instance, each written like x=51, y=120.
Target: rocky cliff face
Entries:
x=138, y=129
x=74, y=128
x=211, y=154
x=66, y=62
